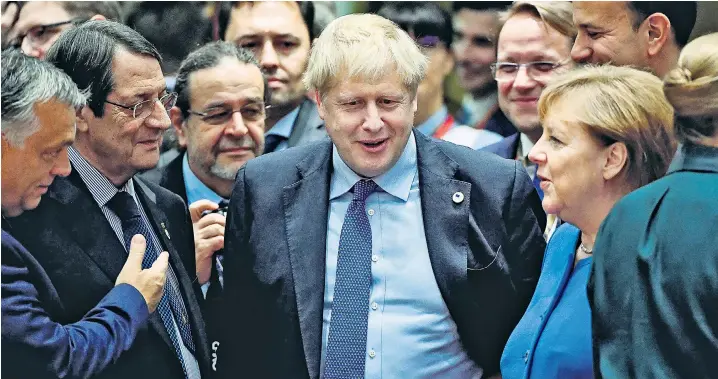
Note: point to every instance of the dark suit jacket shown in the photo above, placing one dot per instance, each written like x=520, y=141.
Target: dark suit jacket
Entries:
x=654, y=293
x=171, y=177
x=36, y=346
x=308, y=126
x=82, y=256
x=506, y=148
x=486, y=253
x=499, y=123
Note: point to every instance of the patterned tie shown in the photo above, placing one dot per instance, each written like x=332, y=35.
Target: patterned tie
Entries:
x=346, y=349
x=171, y=304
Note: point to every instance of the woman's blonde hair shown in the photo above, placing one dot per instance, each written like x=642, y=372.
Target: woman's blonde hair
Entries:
x=555, y=14
x=364, y=46
x=619, y=104
x=692, y=89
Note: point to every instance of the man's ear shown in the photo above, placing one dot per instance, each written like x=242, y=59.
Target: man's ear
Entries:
x=98, y=17
x=659, y=32
x=320, y=105
x=178, y=123
x=616, y=160
x=84, y=115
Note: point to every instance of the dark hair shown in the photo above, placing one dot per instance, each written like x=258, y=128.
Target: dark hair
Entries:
x=682, y=15
x=209, y=56
x=86, y=53
x=306, y=8
x=86, y=9
x=174, y=27
x=420, y=19
x=480, y=6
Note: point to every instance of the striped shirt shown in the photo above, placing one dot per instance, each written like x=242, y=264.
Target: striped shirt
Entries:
x=102, y=191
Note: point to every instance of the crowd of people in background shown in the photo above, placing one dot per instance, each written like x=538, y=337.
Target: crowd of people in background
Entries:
x=266, y=190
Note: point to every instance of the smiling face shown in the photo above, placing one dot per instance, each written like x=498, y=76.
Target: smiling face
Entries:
x=606, y=35
x=28, y=171
x=570, y=164
x=369, y=123
x=277, y=35
x=523, y=39
x=117, y=144
x=220, y=149
x=475, y=49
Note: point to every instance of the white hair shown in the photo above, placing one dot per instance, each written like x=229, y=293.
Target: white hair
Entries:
x=364, y=46
x=27, y=81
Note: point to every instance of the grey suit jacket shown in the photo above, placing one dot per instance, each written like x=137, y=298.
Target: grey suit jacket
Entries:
x=308, y=127
x=486, y=253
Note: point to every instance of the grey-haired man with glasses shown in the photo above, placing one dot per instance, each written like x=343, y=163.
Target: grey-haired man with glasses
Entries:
x=80, y=234
x=534, y=44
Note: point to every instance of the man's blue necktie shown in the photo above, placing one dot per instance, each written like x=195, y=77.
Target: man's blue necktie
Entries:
x=171, y=302
x=346, y=349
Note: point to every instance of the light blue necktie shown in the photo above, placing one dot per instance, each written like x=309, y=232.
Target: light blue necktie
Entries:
x=346, y=349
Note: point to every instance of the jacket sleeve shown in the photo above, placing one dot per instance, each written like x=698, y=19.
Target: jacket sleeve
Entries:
x=35, y=346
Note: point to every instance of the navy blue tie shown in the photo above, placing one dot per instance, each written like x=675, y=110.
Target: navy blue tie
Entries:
x=346, y=349
x=171, y=302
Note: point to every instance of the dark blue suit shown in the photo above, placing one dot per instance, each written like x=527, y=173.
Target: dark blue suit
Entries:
x=74, y=243
x=486, y=254
x=35, y=345
x=655, y=285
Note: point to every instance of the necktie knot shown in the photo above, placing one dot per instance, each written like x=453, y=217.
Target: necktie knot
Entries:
x=363, y=188
x=124, y=206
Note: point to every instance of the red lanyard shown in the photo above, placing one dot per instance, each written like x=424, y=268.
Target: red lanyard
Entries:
x=444, y=127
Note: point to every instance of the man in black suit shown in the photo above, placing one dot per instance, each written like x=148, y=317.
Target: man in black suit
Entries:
x=380, y=251
x=38, y=125
x=81, y=232
x=219, y=122
x=280, y=34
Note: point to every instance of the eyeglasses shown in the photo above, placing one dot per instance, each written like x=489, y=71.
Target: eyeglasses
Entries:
x=144, y=108
x=40, y=34
x=539, y=70
x=222, y=114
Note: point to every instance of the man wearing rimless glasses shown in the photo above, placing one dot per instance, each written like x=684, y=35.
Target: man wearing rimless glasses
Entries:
x=38, y=24
x=430, y=26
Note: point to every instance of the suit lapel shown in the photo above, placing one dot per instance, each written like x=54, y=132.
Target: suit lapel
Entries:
x=446, y=220
x=91, y=233
x=305, y=210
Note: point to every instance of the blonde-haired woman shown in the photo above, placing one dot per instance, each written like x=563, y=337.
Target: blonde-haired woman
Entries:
x=655, y=291
x=607, y=131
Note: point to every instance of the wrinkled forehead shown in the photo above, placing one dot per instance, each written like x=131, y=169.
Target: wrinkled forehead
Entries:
x=267, y=19
x=600, y=14
x=230, y=80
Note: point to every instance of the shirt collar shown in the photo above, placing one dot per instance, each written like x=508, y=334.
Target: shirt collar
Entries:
x=100, y=187
x=525, y=146
x=284, y=126
x=429, y=127
x=196, y=189
x=694, y=157
x=396, y=182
